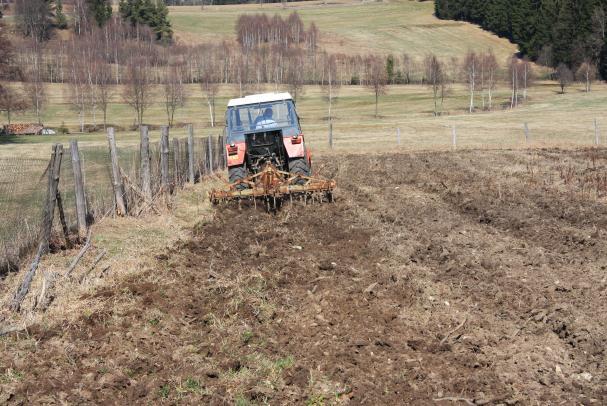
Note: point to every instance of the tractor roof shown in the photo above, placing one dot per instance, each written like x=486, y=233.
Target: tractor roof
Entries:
x=259, y=98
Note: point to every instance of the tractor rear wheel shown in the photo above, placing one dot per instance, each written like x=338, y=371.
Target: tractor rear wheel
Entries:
x=299, y=166
x=236, y=173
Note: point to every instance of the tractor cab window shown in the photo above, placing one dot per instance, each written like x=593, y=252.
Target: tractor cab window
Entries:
x=261, y=116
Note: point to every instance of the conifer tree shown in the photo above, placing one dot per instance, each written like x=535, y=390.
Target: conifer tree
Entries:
x=101, y=10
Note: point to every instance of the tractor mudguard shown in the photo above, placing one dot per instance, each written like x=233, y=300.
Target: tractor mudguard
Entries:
x=236, y=158
x=294, y=146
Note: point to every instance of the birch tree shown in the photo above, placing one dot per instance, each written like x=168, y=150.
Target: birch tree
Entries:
x=587, y=73
x=471, y=73
x=490, y=67
x=435, y=78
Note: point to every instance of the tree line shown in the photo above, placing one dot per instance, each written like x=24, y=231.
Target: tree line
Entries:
x=39, y=19
x=113, y=49
x=551, y=32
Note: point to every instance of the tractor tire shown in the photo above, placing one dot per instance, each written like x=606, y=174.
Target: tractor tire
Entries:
x=299, y=166
x=237, y=173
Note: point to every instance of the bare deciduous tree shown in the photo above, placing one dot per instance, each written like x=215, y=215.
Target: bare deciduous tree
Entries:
x=78, y=84
x=377, y=78
x=514, y=78
x=293, y=73
x=408, y=68
x=174, y=94
x=564, y=76
x=587, y=73
x=11, y=101
x=471, y=69
x=104, y=89
x=34, y=18
x=137, y=88
x=435, y=78
x=210, y=87
x=526, y=76
x=35, y=87
x=331, y=84
x=489, y=76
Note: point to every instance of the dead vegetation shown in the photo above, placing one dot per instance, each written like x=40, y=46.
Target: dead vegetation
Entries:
x=474, y=277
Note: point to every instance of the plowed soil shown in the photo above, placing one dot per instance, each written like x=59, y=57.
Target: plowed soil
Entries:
x=469, y=277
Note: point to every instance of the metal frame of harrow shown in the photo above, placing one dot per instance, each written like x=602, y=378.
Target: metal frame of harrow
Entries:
x=272, y=183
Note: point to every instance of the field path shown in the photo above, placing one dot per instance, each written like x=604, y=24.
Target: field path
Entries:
x=473, y=275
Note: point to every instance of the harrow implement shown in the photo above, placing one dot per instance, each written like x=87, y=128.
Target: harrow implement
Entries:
x=274, y=185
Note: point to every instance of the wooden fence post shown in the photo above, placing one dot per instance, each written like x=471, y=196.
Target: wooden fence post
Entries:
x=397, y=136
x=202, y=162
x=597, y=134
x=119, y=194
x=330, y=135
x=164, y=159
x=191, y=153
x=210, y=153
x=176, y=163
x=81, y=210
x=144, y=153
x=220, y=153
x=454, y=137
x=526, y=128
x=54, y=170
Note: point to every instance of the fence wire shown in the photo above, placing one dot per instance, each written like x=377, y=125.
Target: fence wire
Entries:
x=24, y=184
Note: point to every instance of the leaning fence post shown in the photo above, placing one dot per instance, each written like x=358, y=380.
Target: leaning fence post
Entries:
x=164, y=158
x=210, y=153
x=526, y=128
x=54, y=170
x=454, y=137
x=190, y=153
x=121, y=204
x=176, y=163
x=597, y=134
x=78, y=190
x=144, y=152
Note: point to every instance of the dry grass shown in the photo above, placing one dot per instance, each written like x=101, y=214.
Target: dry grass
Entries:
x=553, y=119
x=132, y=245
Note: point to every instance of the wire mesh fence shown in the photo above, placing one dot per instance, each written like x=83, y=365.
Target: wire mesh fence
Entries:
x=24, y=187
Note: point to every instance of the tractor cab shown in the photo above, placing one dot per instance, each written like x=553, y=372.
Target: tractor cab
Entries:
x=264, y=129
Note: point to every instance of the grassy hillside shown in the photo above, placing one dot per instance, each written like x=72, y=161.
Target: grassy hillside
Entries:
x=393, y=26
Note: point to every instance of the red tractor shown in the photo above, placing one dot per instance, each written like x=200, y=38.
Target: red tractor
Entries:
x=266, y=151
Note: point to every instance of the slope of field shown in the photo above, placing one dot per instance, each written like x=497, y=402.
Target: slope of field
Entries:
x=477, y=276
x=393, y=26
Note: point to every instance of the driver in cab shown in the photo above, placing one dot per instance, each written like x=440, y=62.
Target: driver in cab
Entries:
x=266, y=120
